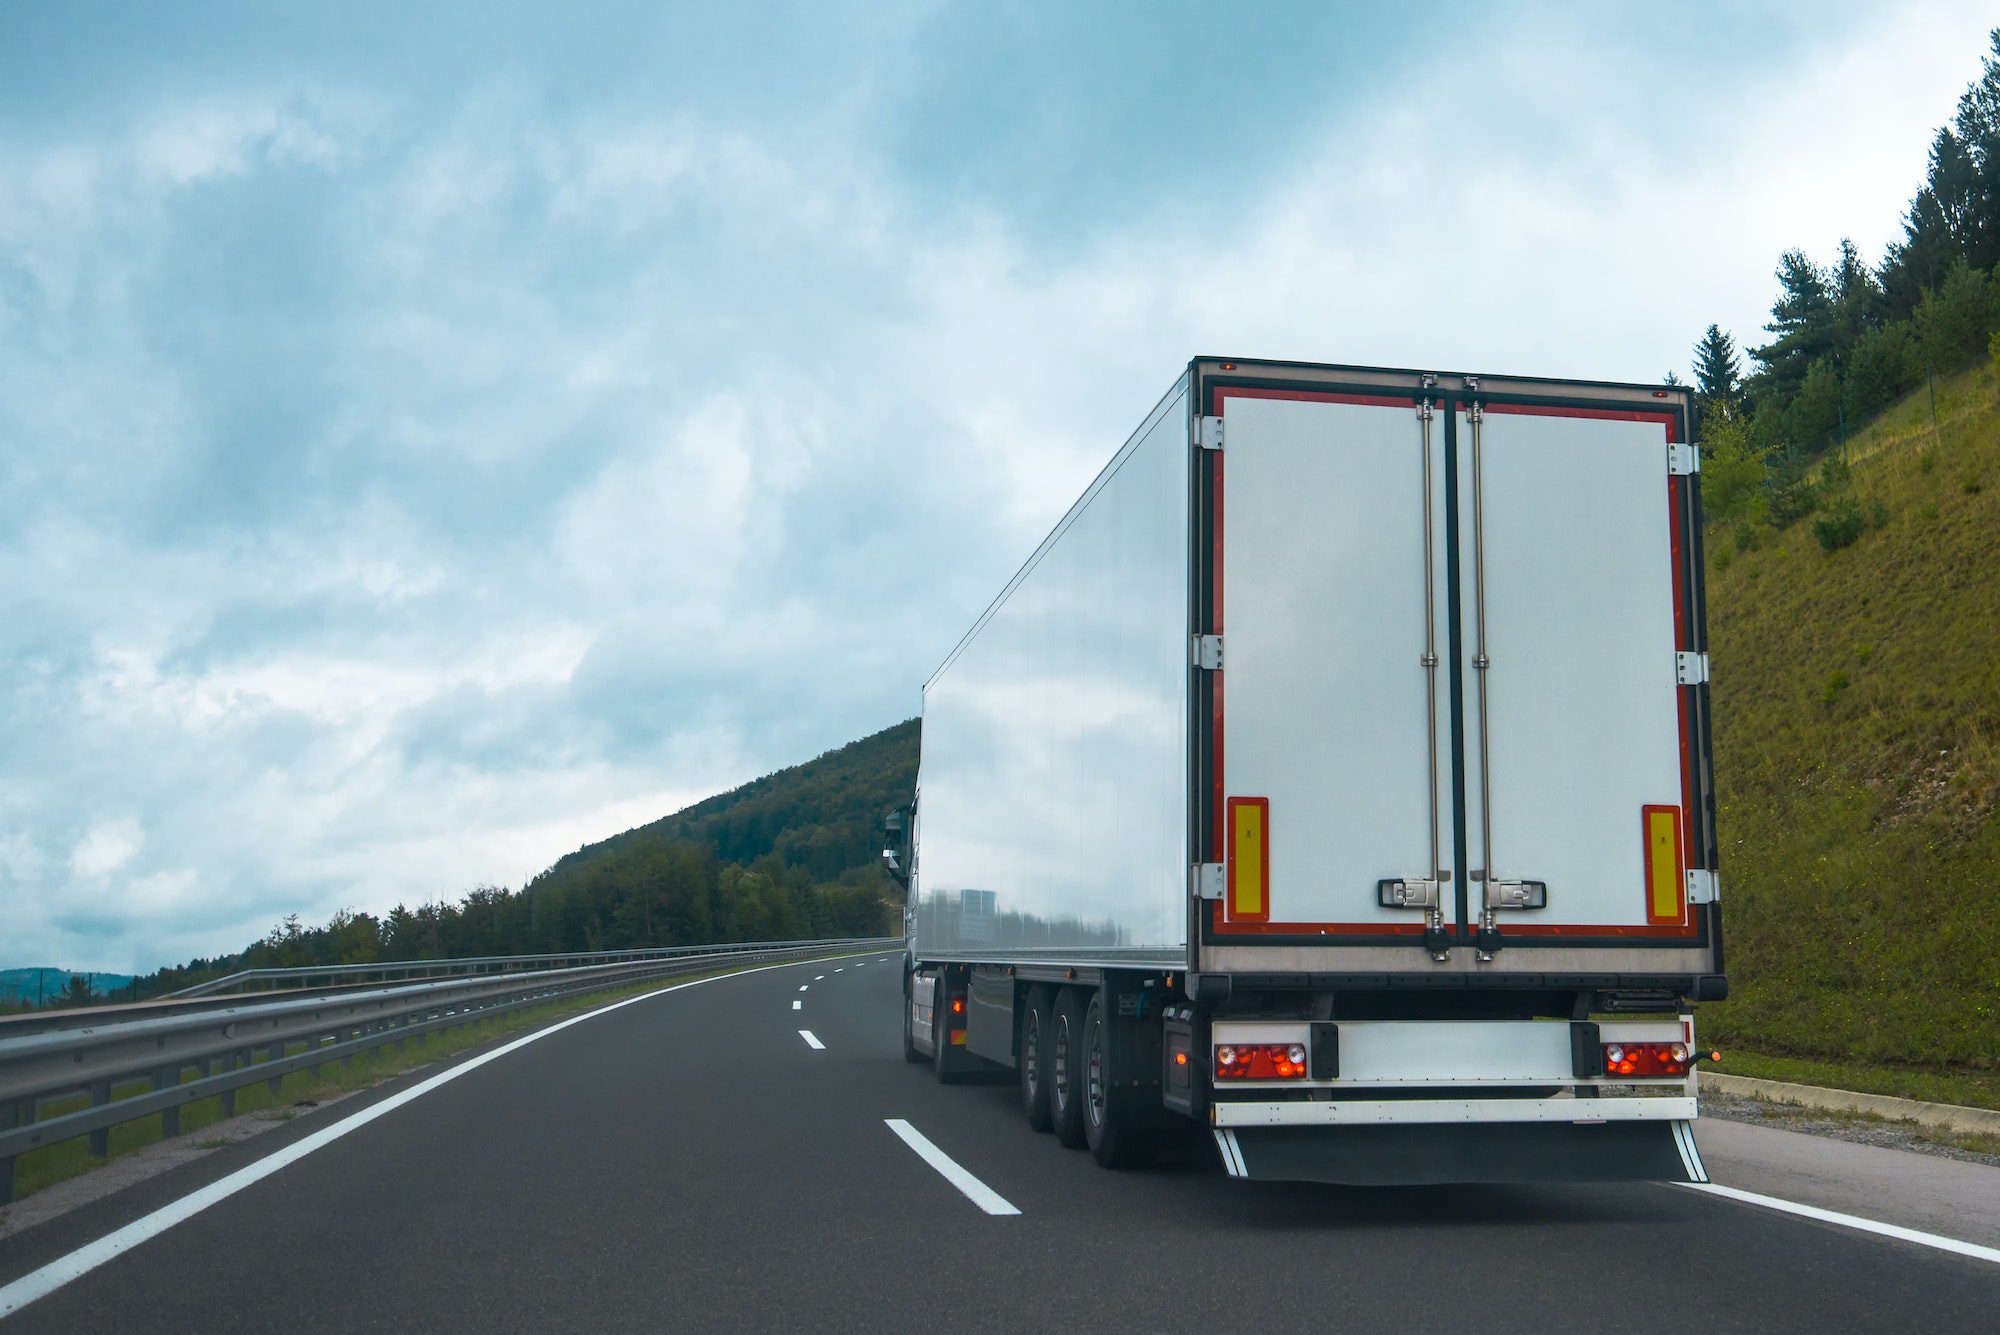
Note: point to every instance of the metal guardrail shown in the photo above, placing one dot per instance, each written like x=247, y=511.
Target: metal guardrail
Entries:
x=234, y=1042
x=451, y=968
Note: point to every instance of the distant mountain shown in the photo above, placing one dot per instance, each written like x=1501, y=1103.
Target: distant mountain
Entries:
x=31, y=986
x=823, y=817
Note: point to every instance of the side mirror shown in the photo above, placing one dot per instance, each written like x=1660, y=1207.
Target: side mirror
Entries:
x=892, y=832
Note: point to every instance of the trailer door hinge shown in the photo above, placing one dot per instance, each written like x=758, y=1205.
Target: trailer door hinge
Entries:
x=1683, y=460
x=1701, y=886
x=1207, y=652
x=1690, y=669
x=1208, y=432
x=1207, y=880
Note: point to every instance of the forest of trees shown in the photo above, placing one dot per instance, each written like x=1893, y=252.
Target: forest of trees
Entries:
x=1848, y=339
x=790, y=856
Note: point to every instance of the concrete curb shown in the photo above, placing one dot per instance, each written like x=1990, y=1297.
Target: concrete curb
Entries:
x=1950, y=1116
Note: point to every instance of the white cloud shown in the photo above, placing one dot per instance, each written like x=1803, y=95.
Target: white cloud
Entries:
x=105, y=847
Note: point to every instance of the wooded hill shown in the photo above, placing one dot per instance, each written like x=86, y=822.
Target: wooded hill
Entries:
x=789, y=856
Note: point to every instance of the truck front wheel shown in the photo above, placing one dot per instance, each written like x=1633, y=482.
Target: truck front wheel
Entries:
x=1065, y=1050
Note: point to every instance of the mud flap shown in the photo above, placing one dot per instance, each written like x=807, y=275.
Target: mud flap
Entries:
x=1425, y=1154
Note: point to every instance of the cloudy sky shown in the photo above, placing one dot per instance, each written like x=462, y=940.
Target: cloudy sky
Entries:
x=433, y=437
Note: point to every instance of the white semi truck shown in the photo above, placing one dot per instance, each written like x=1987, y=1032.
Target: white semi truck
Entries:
x=1336, y=775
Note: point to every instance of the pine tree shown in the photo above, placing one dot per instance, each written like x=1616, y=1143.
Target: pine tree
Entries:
x=1936, y=228
x=1802, y=318
x=1978, y=130
x=1717, y=373
x=1857, y=301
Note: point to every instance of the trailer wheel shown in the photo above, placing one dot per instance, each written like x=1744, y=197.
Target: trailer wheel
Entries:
x=1035, y=1058
x=1113, y=1142
x=1066, y=1069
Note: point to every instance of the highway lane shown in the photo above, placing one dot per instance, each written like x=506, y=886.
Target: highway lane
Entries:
x=690, y=1161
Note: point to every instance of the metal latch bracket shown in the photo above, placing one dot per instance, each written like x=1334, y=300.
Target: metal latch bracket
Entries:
x=1683, y=460
x=1208, y=433
x=1690, y=669
x=1207, y=652
x=1409, y=894
x=1701, y=886
x=1207, y=880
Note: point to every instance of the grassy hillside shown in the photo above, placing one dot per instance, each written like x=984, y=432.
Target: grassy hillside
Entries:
x=1857, y=735
x=823, y=817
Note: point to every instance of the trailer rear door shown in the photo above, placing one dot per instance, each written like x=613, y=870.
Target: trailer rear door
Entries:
x=1446, y=632
x=1575, y=767
x=1330, y=765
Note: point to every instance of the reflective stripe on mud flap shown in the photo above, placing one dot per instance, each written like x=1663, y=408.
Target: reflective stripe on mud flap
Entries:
x=1232, y=1156
x=1690, y=1152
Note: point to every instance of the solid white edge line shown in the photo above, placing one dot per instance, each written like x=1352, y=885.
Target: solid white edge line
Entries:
x=974, y=1190
x=1897, y=1231
x=812, y=1040
x=46, y=1280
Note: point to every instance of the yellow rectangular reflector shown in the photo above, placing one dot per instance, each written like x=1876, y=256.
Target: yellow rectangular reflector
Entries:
x=1666, y=882
x=1249, y=859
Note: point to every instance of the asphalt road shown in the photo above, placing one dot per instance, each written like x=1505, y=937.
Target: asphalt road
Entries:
x=691, y=1161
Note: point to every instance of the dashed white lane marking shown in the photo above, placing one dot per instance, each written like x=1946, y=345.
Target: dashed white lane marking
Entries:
x=40, y=1283
x=840, y=970
x=812, y=1040
x=819, y=977
x=804, y=986
x=975, y=1191
x=862, y=965
x=1938, y=1241
x=797, y=1004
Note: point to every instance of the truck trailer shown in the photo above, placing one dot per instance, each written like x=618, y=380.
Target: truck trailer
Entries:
x=1335, y=776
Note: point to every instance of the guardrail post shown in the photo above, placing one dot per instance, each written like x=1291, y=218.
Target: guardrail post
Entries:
x=11, y=1114
x=229, y=1062
x=276, y=1083
x=100, y=1139
x=170, y=1118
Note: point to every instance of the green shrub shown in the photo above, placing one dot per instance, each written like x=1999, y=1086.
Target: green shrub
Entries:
x=1878, y=514
x=1970, y=486
x=1836, y=682
x=1840, y=526
x=1746, y=536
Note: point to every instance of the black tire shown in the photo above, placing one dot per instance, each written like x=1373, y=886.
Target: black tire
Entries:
x=910, y=1053
x=1034, y=1058
x=1066, y=1069
x=1113, y=1143
x=941, y=1037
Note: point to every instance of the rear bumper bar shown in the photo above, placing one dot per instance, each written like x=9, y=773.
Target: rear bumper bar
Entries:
x=1428, y=1153
x=1385, y=1112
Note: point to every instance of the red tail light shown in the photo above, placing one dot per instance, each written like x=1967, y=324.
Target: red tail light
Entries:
x=1649, y=1059
x=1260, y=1061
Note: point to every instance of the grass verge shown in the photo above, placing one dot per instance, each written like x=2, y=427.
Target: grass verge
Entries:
x=1857, y=764
x=45, y=1167
x=1967, y=1088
